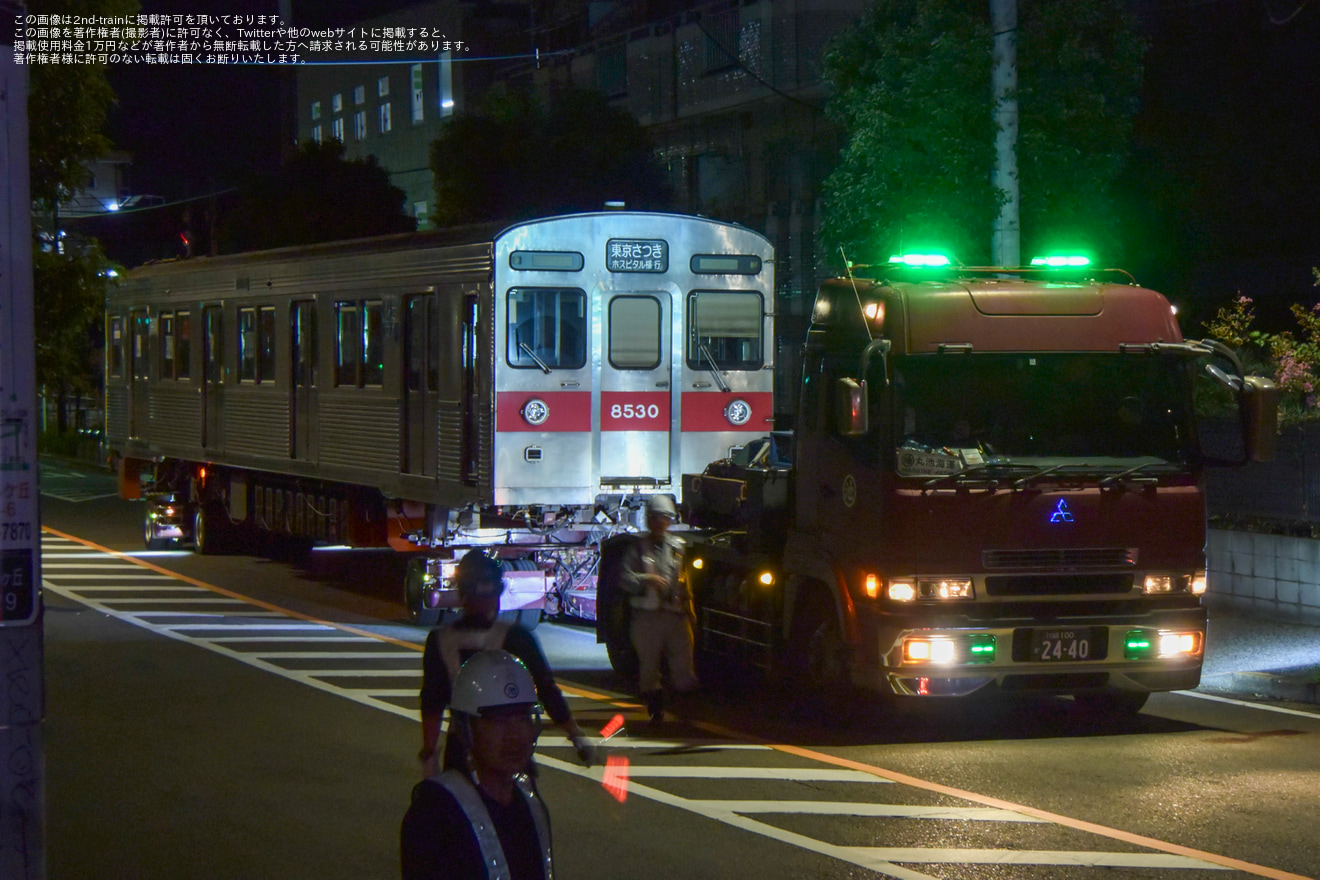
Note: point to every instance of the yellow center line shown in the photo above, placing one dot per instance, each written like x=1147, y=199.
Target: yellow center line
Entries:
x=719, y=730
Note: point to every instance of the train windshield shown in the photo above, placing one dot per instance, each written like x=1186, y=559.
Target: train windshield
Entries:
x=724, y=330
x=1101, y=409
x=547, y=328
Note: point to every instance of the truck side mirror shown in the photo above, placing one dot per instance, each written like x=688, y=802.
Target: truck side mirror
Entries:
x=850, y=407
x=1260, y=404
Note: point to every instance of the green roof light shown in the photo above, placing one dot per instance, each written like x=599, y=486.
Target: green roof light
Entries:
x=1061, y=261
x=927, y=260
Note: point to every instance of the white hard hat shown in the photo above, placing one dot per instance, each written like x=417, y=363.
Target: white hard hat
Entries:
x=489, y=680
x=662, y=505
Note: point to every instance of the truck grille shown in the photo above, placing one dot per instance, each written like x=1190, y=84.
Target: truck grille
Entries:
x=1057, y=585
x=1066, y=558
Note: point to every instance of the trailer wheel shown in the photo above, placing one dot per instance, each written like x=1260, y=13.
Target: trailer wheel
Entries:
x=211, y=530
x=414, y=595
x=1123, y=704
x=149, y=537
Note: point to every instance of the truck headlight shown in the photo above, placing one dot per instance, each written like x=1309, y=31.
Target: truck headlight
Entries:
x=945, y=588
x=1158, y=583
x=901, y=591
x=1198, y=583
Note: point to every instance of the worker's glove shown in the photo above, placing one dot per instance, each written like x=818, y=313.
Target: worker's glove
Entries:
x=587, y=753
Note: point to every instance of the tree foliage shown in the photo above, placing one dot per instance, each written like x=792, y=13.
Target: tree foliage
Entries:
x=67, y=106
x=912, y=90
x=69, y=295
x=317, y=196
x=520, y=157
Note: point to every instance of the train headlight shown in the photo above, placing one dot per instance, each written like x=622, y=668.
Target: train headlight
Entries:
x=739, y=412
x=535, y=411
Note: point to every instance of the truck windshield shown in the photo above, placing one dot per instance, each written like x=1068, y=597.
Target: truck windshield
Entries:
x=954, y=412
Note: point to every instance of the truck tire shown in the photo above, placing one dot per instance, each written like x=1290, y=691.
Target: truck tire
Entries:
x=414, y=595
x=824, y=658
x=1120, y=705
x=212, y=530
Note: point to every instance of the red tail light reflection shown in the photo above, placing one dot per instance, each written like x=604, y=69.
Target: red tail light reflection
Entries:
x=614, y=726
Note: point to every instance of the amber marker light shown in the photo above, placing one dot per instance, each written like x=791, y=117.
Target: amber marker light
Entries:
x=872, y=585
x=766, y=578
x=698, y=563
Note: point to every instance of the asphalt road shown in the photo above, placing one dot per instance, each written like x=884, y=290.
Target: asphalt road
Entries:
x=249, y=717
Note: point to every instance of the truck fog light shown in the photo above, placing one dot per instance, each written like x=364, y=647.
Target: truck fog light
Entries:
x=1198, y=583
x=945, y=588
x=1175, y=644
x=1157, y=583
x=928, y=651
x=902, y=591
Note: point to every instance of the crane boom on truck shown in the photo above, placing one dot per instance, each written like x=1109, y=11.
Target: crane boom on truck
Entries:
x=994, y=481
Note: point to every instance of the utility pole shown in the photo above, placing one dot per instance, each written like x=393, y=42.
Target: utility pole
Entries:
x=22, y=652
x=1005, y=244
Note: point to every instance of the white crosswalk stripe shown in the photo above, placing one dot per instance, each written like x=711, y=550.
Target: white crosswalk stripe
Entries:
x=249, y=634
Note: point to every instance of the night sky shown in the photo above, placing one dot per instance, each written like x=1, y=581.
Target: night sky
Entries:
x=1228, y=137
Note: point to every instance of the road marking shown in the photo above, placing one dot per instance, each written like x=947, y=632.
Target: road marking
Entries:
x=125, y=588
x=880, y=860
x=101, y=577
x=1282, y=710
x=336, y=655
x=870, y=810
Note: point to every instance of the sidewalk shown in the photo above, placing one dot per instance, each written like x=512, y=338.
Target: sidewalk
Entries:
x=1252, y=657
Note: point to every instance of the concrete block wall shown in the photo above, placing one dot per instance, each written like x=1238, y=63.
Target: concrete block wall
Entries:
x=1270, y=576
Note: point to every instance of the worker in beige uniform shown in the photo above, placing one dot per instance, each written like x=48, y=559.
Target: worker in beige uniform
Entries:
x=661, y=607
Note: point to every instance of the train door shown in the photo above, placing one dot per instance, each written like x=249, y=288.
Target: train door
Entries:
x=213, y=376
x=138, y=374
x=302, y=390
x=636, y=392
x=421, y=331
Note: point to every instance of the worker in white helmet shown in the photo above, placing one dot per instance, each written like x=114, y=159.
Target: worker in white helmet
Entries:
x=481, y=817
x=661, y=607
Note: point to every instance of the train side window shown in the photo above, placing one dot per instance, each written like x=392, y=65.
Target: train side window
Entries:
x=724, y=327
x=247, y=344
x=141, y=329
x=634, y=332
x=167, y=345
x=373, y=343
x=423, y=343
x=266, y=344
x=115, y=348
x=213, y=347
x=547, y=326
x=348, y=345
x=183, y=345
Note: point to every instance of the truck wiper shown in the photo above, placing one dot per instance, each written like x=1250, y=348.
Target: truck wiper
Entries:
x=980, y=469
x=714, y=370
x=1124, y=474
x=1029, y=478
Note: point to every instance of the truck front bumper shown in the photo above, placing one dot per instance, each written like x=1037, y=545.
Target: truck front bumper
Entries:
x=1160, y=650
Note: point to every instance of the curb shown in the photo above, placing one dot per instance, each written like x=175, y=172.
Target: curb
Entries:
x=1293, y=689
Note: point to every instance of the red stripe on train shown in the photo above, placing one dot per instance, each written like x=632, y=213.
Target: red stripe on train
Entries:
x=705, y=410
x=564, y=411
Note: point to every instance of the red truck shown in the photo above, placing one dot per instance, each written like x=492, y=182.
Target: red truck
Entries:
x=994, y=481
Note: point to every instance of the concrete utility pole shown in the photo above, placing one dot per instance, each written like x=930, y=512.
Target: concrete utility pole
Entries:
x=1005, y=244
x=22, y=684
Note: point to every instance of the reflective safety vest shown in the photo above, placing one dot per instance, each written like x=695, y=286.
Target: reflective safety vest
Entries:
x=474, y=808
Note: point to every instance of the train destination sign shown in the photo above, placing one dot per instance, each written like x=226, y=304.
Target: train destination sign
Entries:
x=636, y=255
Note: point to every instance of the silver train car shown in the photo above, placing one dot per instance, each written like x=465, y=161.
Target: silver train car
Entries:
x=524, y=391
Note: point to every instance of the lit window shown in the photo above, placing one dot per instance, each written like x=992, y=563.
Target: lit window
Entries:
x=360, y=95
x=360, y=125
x=420, y=212
x=316, y=109
x=337, y=130
x=446, y=86
x=316, y=133
x=385, y=123
x=337, y=103
x=418, y=103
x=383, y=87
